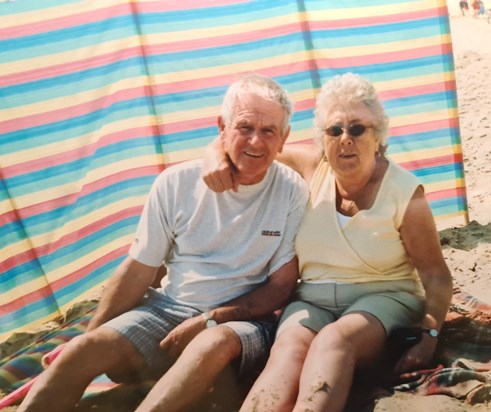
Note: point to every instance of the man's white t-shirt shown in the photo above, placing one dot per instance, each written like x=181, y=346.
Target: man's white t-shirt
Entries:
x=218, y=246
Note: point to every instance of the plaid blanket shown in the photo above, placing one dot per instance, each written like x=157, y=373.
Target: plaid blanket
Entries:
x=22, y=353
x=463, y=358
x=462, y=363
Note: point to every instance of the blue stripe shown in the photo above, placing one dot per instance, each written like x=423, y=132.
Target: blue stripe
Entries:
x=83, y=124
x=30, y=270
x=76, y=80
x=416, y=141
x=54, y=219
x=89, y=243
x=20, y=274
x=67, y=39
x=375, y=34
x=28, y=313
x=421, y=99
x=94, y=278
x=72, y=171
x=14, y=7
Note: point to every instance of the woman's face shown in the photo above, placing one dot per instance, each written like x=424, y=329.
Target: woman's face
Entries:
x=350, y=142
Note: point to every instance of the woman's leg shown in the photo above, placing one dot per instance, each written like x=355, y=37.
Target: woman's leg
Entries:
x=277, y=387
x=354, y=340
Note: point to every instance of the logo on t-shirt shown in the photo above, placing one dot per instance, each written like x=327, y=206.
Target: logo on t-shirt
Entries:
x=270, y=233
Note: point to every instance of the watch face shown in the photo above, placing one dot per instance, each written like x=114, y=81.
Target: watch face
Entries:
x=433, y=333
x=210, y=323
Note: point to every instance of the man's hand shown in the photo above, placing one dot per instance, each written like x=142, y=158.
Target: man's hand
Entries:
x=176, y=341
x=417, y=357
x=219, y=173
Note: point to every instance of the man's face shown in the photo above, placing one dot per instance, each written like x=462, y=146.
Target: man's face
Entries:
x=254, y=136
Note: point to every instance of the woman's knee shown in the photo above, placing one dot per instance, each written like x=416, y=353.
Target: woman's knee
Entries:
x=330, y=339
x=292, y=345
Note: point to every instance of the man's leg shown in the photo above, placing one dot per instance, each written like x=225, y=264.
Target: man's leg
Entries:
x=195, y=371
x=61, y=386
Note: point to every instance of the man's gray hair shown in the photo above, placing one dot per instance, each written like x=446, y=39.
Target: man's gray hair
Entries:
x=261, y=86
x=350, y=88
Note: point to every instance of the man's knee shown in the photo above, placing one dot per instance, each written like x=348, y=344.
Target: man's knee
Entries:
x=220, y=342
x=104, y=351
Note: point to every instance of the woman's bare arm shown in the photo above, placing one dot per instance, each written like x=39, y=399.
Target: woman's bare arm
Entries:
x=422, y=243
x=220, y=174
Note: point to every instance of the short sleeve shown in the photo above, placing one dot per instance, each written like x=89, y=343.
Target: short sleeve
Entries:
x=154, y=237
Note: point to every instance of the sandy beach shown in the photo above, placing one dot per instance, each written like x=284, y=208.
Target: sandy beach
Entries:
x=466, y=247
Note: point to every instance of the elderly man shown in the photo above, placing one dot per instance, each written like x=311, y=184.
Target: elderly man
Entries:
x=230, y=264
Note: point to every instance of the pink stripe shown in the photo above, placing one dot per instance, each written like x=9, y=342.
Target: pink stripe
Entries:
x=49, y=205
x=64, y=22
x=69, y=238
x=434, y=161
x=377, y=20
x=306, y=104
x=423, y=127
x=84, y=271
x=27, y=299
x=47, y=290
x=445, y=194
x=418, y=90
x=71, y=155
x=70, y=67
x=74, y=111
x=384, y=57
x=173, y=5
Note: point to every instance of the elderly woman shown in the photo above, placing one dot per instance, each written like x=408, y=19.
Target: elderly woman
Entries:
x=369, y=253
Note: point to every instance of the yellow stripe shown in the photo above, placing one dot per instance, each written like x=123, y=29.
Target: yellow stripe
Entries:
x=72, y=226
x=380, y=48
x=444, y=185
x=422, y=80
x=75, y=99
x=78, y=142
x=93, y=175
x=423, y=154
x=74, y=55
x=56, y=12
x=60, y=273
x=417, y=118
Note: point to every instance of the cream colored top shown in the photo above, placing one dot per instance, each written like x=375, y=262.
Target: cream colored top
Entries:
x=368, y=248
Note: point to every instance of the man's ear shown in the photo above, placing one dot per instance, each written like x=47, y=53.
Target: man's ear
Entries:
x=221, y=125
x=284, y=137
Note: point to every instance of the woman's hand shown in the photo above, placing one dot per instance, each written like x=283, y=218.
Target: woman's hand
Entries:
x=418, y=356
x=219, y=173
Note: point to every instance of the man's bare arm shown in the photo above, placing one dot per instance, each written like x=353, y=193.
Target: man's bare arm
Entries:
x=262, y=301
x=123, y=290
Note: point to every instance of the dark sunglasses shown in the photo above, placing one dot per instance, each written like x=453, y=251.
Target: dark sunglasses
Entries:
x=354, y=130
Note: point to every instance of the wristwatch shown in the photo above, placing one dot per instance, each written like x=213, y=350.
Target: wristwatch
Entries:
x=432, y=332
x=209, y=321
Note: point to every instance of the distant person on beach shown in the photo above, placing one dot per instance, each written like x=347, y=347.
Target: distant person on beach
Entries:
x=463, y=7
x=482, y=8
x=230, y=262
x=475, y=8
